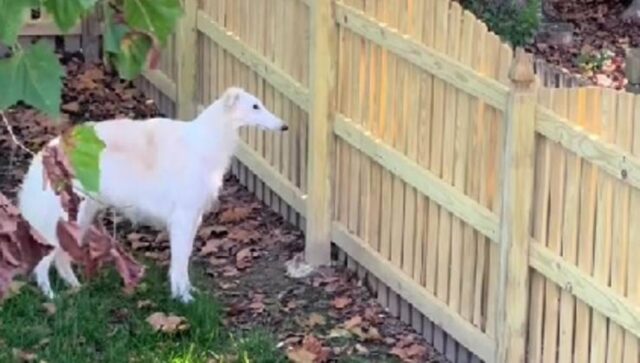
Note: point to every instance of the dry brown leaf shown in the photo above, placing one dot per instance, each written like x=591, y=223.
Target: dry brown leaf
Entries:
x=313, y=345
x=243, y=235
x=244, y=258
x=21, y=247
x=144, y=304
x=211, y=246
x=411, y=353
x=216, y=231
x=167, y=323
x=230, y=271
x=353, y=322
x=50, y=308
x=71, y=107
x=99, y=248
x=23, y=356
x=370, y=333
x=301, y=355
x=227, y=285
x=341, y=302
x=257, y=307
x=316, y=319
x=235, y=214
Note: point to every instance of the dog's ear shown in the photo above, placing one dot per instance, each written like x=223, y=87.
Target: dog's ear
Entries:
x=230, y=97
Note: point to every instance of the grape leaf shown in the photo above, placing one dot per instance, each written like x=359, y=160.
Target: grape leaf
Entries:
x=66, y=13
x=158, y=17
x=114, y=32
x=13, y=14
x=34, y=77
x=83, y=146
x=134, y=49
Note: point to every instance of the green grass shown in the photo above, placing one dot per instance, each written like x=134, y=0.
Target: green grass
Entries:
x=100, y=324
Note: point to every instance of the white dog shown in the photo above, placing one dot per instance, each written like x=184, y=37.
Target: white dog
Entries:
x=159, y=172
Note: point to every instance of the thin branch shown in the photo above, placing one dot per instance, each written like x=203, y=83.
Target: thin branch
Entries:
x=13, y=136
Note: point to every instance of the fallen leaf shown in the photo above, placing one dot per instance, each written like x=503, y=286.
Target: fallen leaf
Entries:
x=316, y=319
x=50, y=308
x=313, y=345
x=230, y=271
x=341, y=302
x=235, y=214
x=14, y=289
x=143, y=304
x=353, y=322
x=227, y=285
x=411, y=353
x=71, y=107
x=242, y=235
x=257, y=307
x=338, y=333
x=167, y=323
x=21, y=247
x=362, y=349
x=209, y=231
x=211, y=246
x=23, y=356
x=244, y=258
x=363, y=333
x=301, y=355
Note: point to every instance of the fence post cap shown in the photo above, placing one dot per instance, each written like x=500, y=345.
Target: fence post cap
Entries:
x=522, y=74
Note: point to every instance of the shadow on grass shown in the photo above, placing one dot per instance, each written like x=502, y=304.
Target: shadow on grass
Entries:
x=101, y=324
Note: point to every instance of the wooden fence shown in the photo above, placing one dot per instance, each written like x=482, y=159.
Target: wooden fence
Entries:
x=41, y=26
x=494, y=215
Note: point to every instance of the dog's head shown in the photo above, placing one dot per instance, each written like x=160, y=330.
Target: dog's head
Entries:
x=244, y=109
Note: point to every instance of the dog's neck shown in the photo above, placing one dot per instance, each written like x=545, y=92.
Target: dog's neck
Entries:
x=212, y=132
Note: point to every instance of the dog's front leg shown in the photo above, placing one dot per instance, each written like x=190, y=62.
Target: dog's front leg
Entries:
x=182, y=231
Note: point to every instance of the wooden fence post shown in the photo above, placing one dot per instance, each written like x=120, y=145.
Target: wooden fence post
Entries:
x=323, y=61
x=186, y=51
x=632, y=70
x=515, y=221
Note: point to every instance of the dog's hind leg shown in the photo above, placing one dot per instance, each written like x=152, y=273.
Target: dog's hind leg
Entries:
x=41, y=272
x=86, y=215
x=63, y=266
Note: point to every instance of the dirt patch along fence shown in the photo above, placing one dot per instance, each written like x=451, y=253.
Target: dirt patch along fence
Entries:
x=494, y=215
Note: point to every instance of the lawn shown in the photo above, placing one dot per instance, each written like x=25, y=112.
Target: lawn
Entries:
x=99, y=323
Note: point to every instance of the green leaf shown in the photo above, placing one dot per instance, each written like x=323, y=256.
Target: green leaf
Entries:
x=132, y=57
x=83, y=147
x=13, y=14
x=34, y=77
x=113, y=33
x=66, y=13
x=159, y=17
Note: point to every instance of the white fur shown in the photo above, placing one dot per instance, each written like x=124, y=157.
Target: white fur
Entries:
x=159, y=172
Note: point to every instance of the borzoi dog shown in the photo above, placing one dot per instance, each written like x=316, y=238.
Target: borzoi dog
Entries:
x=160, y=172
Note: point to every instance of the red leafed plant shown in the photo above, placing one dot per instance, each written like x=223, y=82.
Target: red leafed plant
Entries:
x=21, y=247
x=98, y=248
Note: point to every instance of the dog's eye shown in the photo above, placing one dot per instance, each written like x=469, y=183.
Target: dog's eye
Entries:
x=256, y=107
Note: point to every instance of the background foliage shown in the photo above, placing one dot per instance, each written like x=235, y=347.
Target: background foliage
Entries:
x=513, y=22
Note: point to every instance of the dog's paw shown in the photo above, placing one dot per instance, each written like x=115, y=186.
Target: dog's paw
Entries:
x=49, y=294
x=184, y=297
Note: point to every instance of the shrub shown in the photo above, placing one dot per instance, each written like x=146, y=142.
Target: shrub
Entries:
x=512, y=23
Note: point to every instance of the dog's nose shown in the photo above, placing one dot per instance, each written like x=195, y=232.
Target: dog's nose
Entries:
x=284, y=128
